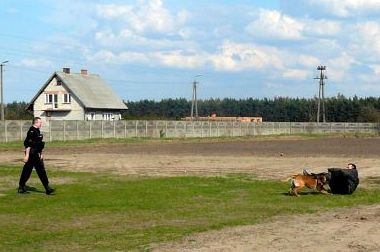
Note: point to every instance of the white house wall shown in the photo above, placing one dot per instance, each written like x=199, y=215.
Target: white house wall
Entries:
x=74, y=109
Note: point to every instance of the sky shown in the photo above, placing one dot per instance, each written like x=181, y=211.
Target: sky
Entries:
x=154, y=49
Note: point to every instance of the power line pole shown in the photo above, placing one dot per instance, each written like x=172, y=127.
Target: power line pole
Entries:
x=321, y=79
x=194, y=100
x=2, y=90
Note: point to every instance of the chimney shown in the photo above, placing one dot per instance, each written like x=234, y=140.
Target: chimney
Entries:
x=83, y=71
x=66, y=70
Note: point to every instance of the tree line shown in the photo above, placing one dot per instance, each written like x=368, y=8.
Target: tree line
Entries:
x=280, y=109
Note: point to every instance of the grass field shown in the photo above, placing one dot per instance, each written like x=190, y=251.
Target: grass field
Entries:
x=100, y=211
x=17, y=144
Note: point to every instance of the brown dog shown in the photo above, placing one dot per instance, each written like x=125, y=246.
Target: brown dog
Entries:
x=312, y=181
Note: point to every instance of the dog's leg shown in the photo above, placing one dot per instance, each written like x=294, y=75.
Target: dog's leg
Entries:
x=295, y=191
x=321, y=189
x=291, y=193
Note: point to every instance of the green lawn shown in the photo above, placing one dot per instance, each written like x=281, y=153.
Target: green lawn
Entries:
x=109, y=212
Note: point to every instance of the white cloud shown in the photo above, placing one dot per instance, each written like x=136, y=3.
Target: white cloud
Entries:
x=274, y=24
x=345, y=8
x=339, y=67
x=376, y=69
x=181, y=60
x=176, y=59
x=364, y=41
x=239, y=56
x=307, y=60
x=322, y=27
x=127, y=38
x=36, y=63
x=145, y=16
x=296, y=74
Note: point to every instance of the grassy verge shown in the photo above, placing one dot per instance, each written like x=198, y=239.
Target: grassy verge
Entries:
x=108, y=212
x=97, y=141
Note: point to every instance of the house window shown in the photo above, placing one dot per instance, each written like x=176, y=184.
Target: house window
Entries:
x=55, y=100
x=91, y=116
x=59, y=83
x=48, y=98
x=108, y=117
x=66, y=98
x=51, y=99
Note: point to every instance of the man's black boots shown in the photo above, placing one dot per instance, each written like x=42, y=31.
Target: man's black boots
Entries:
x=49, y=190
x=22, y=189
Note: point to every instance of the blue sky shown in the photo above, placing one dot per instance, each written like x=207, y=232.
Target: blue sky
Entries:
x=152, y=49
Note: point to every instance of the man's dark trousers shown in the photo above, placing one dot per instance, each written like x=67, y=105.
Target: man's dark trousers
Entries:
x=34, y=161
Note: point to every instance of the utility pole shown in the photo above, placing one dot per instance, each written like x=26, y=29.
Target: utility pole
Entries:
x=321, y=77
x=194, y=100
x=2, y=90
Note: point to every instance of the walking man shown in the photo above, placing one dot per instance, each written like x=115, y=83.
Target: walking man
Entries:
x=33, y=157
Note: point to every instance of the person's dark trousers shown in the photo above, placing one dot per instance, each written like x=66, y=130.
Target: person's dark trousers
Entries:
x=34, y=161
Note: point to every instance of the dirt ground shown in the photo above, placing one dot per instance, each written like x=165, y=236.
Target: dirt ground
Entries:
x=264, y=158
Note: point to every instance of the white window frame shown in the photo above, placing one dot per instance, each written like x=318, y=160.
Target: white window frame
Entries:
x=52, y=99
x=47, y=98
x=55, y=100
x=66, y=98
x=108, y=116
x=91, y=116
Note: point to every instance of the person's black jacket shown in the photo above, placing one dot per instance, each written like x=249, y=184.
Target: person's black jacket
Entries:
x=343, y=181
x=34, y=140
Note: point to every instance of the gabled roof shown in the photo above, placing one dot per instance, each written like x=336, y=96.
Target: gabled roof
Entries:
x=90, y=89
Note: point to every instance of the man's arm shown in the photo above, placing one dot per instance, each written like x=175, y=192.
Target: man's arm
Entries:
x=26, y=156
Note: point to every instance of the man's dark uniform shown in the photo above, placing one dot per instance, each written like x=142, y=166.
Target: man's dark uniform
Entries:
x=343, y=181
x=34, y=141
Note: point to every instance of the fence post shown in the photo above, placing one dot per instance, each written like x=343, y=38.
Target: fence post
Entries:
x=77, y=130
x=64, y=130
x=125, y=129
x=209, y=133
x=50, y=136
x=166, y=128
x=90, y=129
x=146, y=128
x=185, y=129
x=102, y=133
x=201, y=129
x=114, y=129
x=136, y=128
x=6, y=131
x=21, y=130
x=175, y=129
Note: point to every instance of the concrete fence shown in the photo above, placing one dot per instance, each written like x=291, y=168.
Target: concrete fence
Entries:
x=79, y=130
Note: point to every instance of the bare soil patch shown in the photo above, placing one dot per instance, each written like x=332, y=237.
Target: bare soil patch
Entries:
x=354, y=229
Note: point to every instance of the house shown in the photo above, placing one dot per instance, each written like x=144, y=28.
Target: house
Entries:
x=76, y=96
